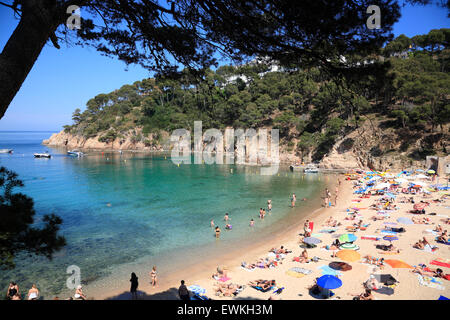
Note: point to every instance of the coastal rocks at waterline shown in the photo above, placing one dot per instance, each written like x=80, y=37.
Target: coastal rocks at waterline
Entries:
x=129, y=141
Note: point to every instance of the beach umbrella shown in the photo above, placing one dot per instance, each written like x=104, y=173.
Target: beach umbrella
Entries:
x=405, y=220
x=390, y=238
x=311, y=240
x=347, y=237
x=349, y=246
x=419, y=183
x=342, y=266
x=397, y=264
x=420, y=170
x=348, y=255
x=421, y=176
x=431, y=171
x=329, y=282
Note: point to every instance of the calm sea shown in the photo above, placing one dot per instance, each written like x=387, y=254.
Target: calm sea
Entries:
x=119, y=210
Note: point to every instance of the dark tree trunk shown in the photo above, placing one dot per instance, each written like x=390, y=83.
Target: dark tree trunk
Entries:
x=37, y=24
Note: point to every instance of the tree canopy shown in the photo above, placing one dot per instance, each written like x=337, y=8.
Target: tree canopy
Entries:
x=18, y=231
x=189, y=32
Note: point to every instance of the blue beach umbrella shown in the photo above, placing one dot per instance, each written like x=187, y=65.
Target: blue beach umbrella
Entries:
x=329, y=282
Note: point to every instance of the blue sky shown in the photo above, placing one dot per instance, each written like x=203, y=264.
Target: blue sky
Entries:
x=63, y=80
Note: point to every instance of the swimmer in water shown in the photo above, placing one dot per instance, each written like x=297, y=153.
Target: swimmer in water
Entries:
x=269, y=205
x=226, y=217
x=212, y=223
x=252, y=223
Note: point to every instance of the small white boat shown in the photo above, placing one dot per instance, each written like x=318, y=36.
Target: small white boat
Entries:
x=75, y=153
x=6, y=150
x=311, y=169
x=42, y=155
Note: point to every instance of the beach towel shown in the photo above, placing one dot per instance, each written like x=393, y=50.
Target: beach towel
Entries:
x=261, y=289
x=196, y=289
x=385, y=290
x=300, y=270
x=439, y=263
x=224, y=279
x=370, y=238
x=442, y=242
x=430, y=282
x=443, y=298
x=328, y=230
x=388, y=232
x=388, y=252
x=326, y=270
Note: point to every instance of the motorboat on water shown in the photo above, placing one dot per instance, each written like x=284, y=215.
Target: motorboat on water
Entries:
x=6, y=150
x=311, y=169
x=75, y=153
x=42, y=155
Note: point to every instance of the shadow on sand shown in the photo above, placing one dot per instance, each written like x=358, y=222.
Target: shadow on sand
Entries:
x=170, y=294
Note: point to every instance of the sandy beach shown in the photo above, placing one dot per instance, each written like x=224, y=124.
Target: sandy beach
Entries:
x=408, y=285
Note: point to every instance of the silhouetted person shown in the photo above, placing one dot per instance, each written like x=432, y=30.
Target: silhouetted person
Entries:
x=134, y=285
x=183, y=291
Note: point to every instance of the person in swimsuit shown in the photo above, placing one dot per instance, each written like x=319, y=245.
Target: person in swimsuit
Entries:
x=79, y=293
x=212, y=223
x=33, y=293
x=217, y=232
x=134, y=285
x=293, y=199
x=153, y=276
x=13, y=291
x=226, y=218
x=252, y=223
x=269, y=205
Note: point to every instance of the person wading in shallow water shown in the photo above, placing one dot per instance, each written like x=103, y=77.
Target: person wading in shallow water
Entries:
x=217, y=232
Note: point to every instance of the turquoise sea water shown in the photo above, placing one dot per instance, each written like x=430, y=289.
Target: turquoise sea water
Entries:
x=119, y=209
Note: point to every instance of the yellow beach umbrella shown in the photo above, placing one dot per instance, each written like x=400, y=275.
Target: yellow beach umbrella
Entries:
x=348, y=255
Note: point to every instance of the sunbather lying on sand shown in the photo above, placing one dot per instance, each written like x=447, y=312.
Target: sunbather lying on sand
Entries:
x=303, y=257
x=421, y=220
x=375, y=218
x=334, y=247
x=330, y=222
x=389, y=248
x=367, y=295
x=227, y=290
x=425, y=271
x=282, y=250
x=263, y=284
x=375, y=261
x=443, y=237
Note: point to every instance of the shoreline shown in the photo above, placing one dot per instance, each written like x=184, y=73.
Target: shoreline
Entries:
x=198, y=273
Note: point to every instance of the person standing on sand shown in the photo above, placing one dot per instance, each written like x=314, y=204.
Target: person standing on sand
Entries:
x=183, y=292
x=134, y=286
x=153, y=276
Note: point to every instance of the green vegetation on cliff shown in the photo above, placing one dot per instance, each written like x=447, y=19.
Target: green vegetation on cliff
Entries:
x=309, y=106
